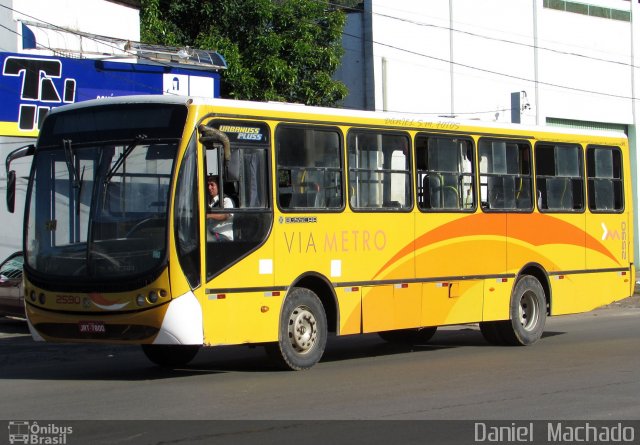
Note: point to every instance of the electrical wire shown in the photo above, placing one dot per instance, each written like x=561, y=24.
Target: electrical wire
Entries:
x=122, y=78
x=497, y=39
x=397, y=48
x=493, y=72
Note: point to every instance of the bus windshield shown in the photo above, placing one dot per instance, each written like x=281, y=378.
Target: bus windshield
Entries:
x=97, y=207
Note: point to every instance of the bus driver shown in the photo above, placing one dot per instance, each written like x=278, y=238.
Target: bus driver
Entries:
x=219, y=225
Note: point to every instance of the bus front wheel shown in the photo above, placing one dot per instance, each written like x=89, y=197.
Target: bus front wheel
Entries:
x=170, y=355
x=302, y=333
x=528, y=315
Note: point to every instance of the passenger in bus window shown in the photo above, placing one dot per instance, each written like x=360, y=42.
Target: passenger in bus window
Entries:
x=219, y=225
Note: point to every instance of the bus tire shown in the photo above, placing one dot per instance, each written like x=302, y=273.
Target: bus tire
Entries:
x=418, y=336
x=170, y=355
x=302, y=333
x=528, y=313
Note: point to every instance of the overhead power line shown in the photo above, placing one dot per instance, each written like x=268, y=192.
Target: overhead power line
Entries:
x=497, y=73
x=496, y=39
x=106, y=41
x=397, y=48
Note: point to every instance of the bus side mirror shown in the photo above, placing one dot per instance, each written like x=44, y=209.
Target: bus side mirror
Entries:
x=27, y=150
x=11, y=191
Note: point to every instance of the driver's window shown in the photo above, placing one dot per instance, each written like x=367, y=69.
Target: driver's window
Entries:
x=219, y=202
x=238, y=211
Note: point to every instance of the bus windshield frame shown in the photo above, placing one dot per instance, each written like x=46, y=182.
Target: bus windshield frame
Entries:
x=99, y=196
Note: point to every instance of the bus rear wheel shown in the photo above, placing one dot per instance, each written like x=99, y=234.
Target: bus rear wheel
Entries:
x=302, y=333
x=170, y=355
x=418, y=336
x=528, y=314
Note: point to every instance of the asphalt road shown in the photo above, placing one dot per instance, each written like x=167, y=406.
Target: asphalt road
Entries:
x=585, y=367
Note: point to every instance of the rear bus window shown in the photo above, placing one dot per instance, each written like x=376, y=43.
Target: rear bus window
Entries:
x=604, y=173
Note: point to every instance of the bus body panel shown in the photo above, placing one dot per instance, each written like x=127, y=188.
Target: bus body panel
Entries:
x=242, y=317
x=497, y=296
x=349, y=310
x=230, y=302
x=452, y=302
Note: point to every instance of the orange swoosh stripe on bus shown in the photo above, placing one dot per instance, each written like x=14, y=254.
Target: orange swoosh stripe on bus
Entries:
x=526, y=228
x=558, y=232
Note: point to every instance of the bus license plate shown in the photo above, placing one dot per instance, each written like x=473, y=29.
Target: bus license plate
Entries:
x=92, y=327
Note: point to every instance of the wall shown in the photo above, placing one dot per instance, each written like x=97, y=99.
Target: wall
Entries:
x=92, y=16
x=591, y=54
x=8, y=39
x=354, y=74
x=465, y=58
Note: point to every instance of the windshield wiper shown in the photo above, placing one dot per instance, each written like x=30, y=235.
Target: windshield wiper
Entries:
x=69, y=159
x=127, y=151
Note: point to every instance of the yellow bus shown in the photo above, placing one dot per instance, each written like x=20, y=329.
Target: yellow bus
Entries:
x=177, y=223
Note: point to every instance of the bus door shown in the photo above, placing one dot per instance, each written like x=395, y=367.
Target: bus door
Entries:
x=238, y=256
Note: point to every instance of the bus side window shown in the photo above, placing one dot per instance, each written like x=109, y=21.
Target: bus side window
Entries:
x=309, y=163
x=505, y=175
x=379, y=170
x=559, y=178
x=445, y=173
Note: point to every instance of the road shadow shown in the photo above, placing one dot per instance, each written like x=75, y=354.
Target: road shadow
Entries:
x=548, y=334
x=22, y=358
x=12, y=325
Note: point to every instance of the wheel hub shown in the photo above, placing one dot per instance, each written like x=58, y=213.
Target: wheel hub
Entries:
x=528, y=311
x=302, y=330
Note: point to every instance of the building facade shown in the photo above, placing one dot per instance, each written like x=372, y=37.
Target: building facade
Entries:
x=542, y=62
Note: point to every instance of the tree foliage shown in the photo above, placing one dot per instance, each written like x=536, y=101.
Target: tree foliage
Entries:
x=282, y=50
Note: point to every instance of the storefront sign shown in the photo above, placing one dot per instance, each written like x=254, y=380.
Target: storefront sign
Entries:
x=30, y=86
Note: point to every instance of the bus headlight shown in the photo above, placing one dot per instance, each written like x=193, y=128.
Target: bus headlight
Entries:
x=140, y=300
x=153, y=297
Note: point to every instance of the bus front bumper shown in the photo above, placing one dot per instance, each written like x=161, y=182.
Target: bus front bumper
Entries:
x=179, y=322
